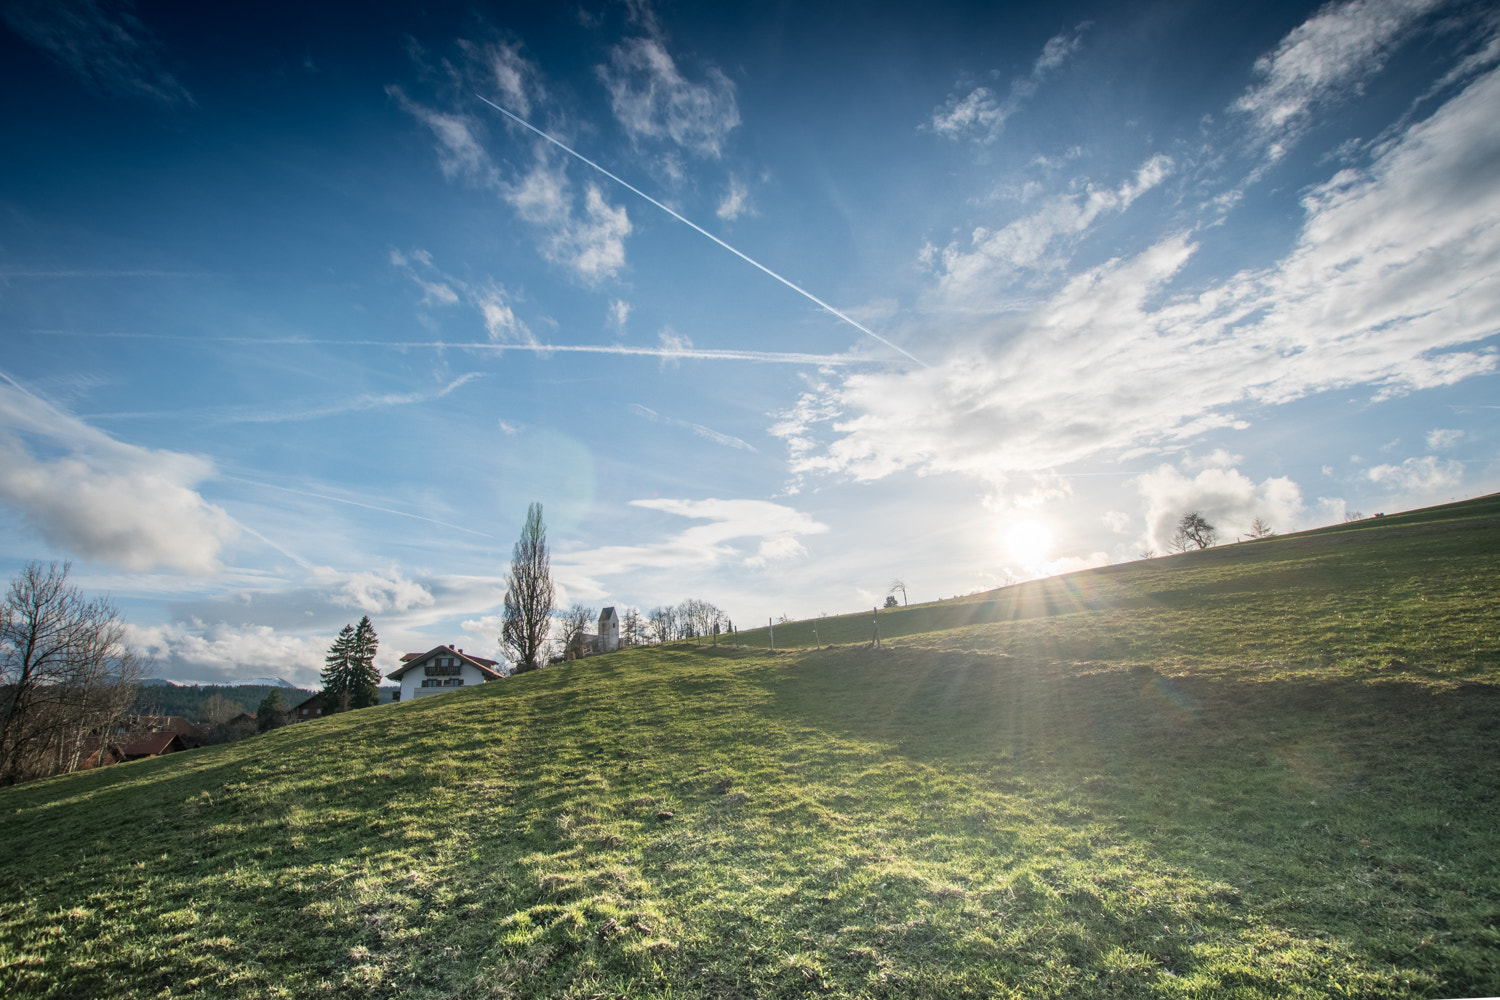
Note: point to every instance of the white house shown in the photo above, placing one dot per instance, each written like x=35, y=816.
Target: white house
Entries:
x=443, y=668
x=609, y=631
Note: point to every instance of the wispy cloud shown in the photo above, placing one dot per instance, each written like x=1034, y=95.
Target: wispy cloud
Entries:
x=776, y=527
x=101, y=41
x=707, y=433
x=1391, y=277
x=488, y=297
x=586, y=238
x=981, y=114
x=91, y=495
x=991, y=263
x=651, y=98
x=1322, y=61
x=736, y=201
x=355, y=404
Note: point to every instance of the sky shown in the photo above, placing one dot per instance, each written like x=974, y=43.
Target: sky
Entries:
x=303, y=305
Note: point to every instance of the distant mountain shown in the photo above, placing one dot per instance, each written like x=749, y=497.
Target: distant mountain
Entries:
x=158, y=682
x=262, y=682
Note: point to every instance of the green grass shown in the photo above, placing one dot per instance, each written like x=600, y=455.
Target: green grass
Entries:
x=1257, y=771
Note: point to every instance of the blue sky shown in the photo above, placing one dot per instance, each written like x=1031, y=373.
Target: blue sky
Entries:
x=296, y=324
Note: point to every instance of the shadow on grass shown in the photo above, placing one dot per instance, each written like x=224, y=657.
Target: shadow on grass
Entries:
x=1357, y=808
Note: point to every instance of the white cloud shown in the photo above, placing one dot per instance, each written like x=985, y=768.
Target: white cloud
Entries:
x=981, y=114
x=375, y=592
x=1417, y=476
x=1440, y=438
x=776, y=526
x=619, y=314
x=99, y=498
x=1117, y=521
x=1323, y=60
x=1397, y=268
x=1042, y=241
x=223, y=653
x=1227, y=498
x=500, y=320
x=592, y=243
x=736, y=201
x=653, y=100
x=501, y=65
x=461, y=156
x=102, y=42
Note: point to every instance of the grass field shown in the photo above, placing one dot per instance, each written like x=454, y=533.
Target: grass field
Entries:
x=1262, y=770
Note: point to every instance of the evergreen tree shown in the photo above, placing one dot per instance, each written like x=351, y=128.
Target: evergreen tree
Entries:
x=364, y=678
x=338, y=673
x=273, y=713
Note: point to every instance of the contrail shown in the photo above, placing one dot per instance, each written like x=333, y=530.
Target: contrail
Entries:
x=693, y=353
x=688, y=222
x=353, y=503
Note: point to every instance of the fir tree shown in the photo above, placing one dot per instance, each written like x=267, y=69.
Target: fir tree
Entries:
x=364, y=687
x=273, y=713
x=338, y=673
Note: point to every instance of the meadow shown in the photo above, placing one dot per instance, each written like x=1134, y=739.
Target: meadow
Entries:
x=1262, y=770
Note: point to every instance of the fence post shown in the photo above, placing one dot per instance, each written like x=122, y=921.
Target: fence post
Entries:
x=772, y=626
x=876, y=622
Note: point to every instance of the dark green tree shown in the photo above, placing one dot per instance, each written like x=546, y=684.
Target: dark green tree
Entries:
x=365, y=679
x=527, y=621
x=338, y=673
x=273, y=713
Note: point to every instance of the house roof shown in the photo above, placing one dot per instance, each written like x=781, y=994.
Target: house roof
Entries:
x=607, y=613
x=150, y=744
x=308, y=702
x=413, y=660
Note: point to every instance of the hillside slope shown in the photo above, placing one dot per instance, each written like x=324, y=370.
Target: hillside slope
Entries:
x=1258, y=771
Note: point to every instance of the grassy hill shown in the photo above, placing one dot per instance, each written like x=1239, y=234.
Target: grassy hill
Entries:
x=1261, y=770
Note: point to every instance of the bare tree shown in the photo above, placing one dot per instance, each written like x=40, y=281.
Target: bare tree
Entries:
x=898, y=584
x=573, y=624
x=662, y=622
x=1354, y=515
x=700, y=617
x=632, y=627
x=527, y=620
x=1260, y=529
x=67, y=675
x=216, y=709
x=1193, y=531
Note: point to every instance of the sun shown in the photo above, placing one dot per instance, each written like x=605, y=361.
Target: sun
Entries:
x=1029, y=542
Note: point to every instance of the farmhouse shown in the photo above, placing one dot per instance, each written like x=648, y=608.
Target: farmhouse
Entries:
x=440, y=669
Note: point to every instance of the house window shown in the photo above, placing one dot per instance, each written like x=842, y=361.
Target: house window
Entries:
x=443, y=667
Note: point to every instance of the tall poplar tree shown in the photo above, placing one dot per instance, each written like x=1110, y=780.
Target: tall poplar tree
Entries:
x=527, y=621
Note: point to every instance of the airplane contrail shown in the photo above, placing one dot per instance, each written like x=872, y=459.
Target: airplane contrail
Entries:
x=353, y=503
x=688, y=222
x=668, y=353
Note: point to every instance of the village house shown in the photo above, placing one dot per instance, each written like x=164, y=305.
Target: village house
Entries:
x=443, y=668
